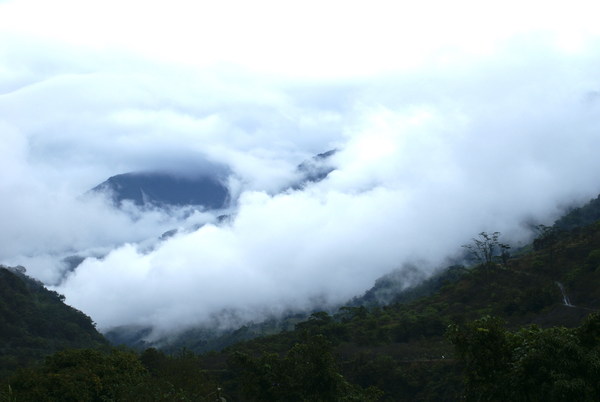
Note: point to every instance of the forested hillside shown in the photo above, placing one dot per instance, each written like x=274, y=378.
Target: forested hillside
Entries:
x=34, y=322
x=581, y=216
x=507, y=328
x=409, y=350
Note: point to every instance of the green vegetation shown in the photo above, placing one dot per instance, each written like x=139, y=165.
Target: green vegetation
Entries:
x=531, y=364
x=81, y=375
x=34, y=322
x=307, y=372
x=484, y=249
x=500, y=330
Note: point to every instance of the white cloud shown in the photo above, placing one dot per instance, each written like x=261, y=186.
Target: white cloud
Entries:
x=449, y=120
x=309, y=38
x=414, y=182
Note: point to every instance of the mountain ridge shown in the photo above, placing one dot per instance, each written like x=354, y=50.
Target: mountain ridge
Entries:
x=164, y=189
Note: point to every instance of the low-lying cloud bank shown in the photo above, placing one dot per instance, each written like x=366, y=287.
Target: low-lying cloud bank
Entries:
x=415, y=179
x=426, y=160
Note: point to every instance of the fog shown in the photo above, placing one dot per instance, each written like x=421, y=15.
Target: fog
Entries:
x=444, y=129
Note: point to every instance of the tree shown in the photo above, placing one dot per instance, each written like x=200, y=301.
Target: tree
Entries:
x=483, y=347
x=483, y=248
x=308, y=372
x=504, y=253
x=531, y=364
x=547, y=238
x=82, y=375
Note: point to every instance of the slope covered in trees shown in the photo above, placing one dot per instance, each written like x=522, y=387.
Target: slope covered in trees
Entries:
x=580, y=216
x=34, y=322
x=404, y=349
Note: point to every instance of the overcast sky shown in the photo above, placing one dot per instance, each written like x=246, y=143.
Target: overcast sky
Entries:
x=450, y=118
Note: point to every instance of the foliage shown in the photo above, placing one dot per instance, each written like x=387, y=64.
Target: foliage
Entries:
x=308, y=372
x=554, y=364
x=182, y=375
x=34, y=322
x=113, y=375
x=581, y=216
x=484, y=249
x=81, y=375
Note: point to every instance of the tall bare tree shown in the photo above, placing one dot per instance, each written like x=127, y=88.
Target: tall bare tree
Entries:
x=484, y=248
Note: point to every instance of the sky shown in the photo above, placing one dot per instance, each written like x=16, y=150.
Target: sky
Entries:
x=450, y=118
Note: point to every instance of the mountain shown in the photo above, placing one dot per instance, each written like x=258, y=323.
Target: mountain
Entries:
x=314, y=169
x=207, y=190
x=509, y=327
x=401, y=286
x=524, y=328
x=521, y=328
x=580, y=216
x=163, y=189
x=34, y=322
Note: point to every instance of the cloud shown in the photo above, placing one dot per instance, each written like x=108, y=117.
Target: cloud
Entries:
x=309, y=39
x=418, y=174
x=439, y=138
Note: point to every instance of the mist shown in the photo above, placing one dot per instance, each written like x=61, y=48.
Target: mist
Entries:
x=433, y=146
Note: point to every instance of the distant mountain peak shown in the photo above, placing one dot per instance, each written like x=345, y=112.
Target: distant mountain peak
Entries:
x=165, y=189
x=315, y=169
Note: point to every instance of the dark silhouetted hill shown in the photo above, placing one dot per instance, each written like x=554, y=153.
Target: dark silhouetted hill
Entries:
x=164, y=189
